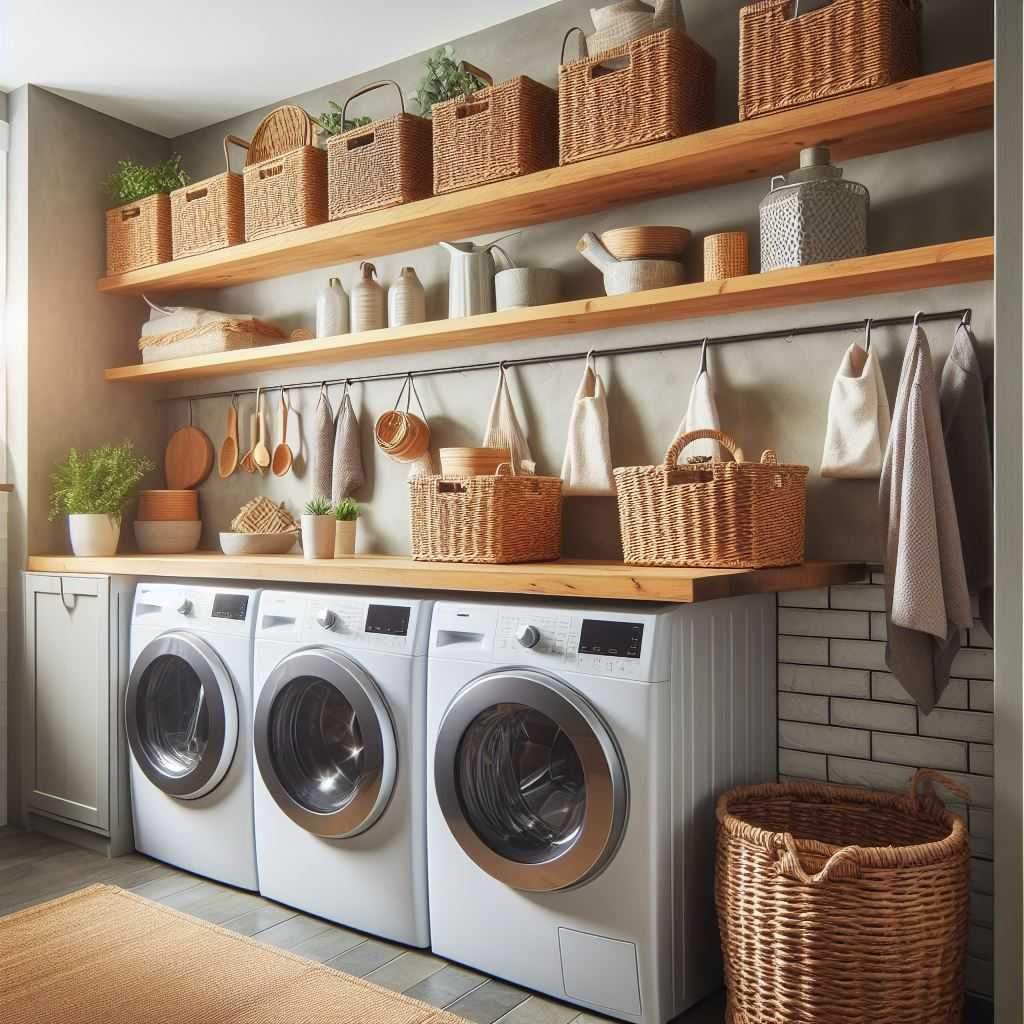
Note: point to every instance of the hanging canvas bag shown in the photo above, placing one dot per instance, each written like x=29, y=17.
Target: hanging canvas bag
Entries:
x=503, y=429
x=701, y=410
x=347, y=475
x=587, y=467
x=323, y=446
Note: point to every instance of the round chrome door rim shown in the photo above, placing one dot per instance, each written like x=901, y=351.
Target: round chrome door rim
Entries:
x=221, y=709
x=377, y=781
x=606, y=780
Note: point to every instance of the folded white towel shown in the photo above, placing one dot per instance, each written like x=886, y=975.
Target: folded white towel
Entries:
x=858, y=419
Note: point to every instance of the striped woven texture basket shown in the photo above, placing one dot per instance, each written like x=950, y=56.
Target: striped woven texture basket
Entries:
x=139, y=234
x=209, y=214
x=726, y=254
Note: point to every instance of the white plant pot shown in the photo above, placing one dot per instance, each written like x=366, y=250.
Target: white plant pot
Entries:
x=318, y=536
x=94, y=536
x=345, y=537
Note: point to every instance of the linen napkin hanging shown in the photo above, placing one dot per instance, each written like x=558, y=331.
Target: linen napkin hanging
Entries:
x=503, y=429
x=701, y=410
x=347, y=474
x=858, y=425
x=587, y=467
x=323, y=446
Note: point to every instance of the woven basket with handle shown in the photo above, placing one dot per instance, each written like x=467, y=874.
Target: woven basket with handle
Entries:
x=285, y=175
x=501, y=131
x=209, y=214
x=842, y=906
x=139, y=234
x=791, y=55
x=736, y=515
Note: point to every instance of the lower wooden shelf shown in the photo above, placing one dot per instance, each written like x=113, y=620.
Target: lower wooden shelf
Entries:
x=575, y=579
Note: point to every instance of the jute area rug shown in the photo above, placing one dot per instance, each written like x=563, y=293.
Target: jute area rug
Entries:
x=105, y=956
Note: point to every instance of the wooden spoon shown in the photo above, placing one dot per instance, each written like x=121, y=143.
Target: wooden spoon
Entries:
x=261, y=453
x=282, y=460
x=247, y=463
x=227, y=462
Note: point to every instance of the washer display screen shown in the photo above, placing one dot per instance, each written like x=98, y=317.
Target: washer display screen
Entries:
x=391, y=619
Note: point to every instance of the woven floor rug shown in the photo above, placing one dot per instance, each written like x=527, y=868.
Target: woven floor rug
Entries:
x=105, y=956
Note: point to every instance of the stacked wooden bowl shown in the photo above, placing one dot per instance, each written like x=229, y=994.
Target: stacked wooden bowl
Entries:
x=473, y=461
x=643, y=242
x=167, y=522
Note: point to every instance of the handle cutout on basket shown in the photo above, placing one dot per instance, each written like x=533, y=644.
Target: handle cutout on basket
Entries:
x=450, y=487
x=199, y=193
x=810, y=7
x=465, y=110
x=612, y=66
x=360, y=141
x=131, y=214
x=271, y=172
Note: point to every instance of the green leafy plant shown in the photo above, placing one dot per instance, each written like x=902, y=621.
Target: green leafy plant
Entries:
x=331, y=122
x=96, y=482
x=318, y=507
x=346, y=511
x=443, y=80
x=132, y=181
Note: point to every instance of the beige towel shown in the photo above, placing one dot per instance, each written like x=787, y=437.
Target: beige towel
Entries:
x=701, y=411
x=503, y=429
x=587, y=467
x=858, y=419
x=925, y=586
x=322, y=447
x=347, y=474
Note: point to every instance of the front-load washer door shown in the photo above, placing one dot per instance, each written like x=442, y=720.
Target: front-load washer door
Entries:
x=181, y=715
x=530, y=780
x=325, y=743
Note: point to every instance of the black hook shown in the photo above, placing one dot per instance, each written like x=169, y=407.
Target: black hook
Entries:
x=867, y=334
x=703, y=357
x=965, y=320
x=917, y=318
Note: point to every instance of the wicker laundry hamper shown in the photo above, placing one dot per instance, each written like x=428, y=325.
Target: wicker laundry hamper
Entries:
x=209, y=214
x=139, y=234
x=842, y=906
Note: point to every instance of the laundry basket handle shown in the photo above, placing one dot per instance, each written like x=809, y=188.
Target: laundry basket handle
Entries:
x=369, y=88
x=672, y=455
x=484, y=77
x=930, y=775
x=844, y=863
x=234, y=140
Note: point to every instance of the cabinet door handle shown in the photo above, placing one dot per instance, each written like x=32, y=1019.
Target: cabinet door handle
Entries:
x=64, y=597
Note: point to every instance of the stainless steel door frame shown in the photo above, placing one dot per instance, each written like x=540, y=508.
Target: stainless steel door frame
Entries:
x=221, y=708
x=607, y=789
x=379, y=748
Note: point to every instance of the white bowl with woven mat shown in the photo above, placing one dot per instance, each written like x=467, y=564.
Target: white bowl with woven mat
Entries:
x=257, y=543
x=168, y=538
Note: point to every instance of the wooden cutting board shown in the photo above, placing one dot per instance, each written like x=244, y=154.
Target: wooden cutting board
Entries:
x=188, y=458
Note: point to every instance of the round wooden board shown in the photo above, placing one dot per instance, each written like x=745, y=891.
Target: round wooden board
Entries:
x=188, y=459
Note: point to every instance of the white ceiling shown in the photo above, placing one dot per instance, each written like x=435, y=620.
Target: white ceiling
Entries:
x=174, y=67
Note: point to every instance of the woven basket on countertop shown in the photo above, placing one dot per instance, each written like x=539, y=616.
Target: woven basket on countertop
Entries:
x=209, y=214
x=842, y=906
x=139, y=234
x=846, y=47
x=729, y=515
x=491, y=519
x=498, y=132
x=652, y=89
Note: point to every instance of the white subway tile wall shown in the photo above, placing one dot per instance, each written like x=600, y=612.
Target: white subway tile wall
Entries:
x=843, y=718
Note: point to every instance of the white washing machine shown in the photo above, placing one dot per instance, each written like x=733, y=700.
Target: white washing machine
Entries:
x=188, y=714
x=575, y=754
x=340, y=735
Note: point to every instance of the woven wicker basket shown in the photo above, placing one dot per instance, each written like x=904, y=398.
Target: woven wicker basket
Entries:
x=494, y=519
x=139, y=234
x=848, y=46
x=209, y=214
x=736, y=515
x=285, y=175
x=655, y=88
x=501, y=131
x=726, y=255
x=382, y=164
x=842, y=906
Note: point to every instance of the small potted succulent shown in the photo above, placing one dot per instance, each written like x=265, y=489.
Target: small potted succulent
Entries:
x=92, y=489
x=346, y=516
x=318, y=529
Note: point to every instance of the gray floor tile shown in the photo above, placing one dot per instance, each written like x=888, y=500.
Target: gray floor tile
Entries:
x=260, y=919
x=407, y=970
x=538, y=1010
x=195, y=896
x=328, y=944
x=361, y=960
x=489, y=1002
x=166, y=886
x=226, y=907
x=446, y=985
x=291, y=932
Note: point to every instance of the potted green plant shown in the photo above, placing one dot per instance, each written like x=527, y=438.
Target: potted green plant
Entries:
x=92, y=489
x=444, y=79
x=318, y=529
x=331, y=122
x=346, y=516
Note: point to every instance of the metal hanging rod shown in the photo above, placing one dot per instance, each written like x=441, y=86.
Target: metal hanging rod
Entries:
x=963, y=314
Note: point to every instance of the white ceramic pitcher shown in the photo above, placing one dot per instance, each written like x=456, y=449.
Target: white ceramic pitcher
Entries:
x=471, y=277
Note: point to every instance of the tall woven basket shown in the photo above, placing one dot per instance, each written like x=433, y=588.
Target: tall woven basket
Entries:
x=842, y=906
x=209, y=214
x=139, y=234
x=735, y=515
x=848, y=46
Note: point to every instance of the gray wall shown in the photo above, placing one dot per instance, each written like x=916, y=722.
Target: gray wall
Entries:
x=771, y=395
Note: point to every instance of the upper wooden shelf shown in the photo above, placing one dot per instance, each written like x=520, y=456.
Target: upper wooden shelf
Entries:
x=923, y=109
x=906, y=270
x=604, y=580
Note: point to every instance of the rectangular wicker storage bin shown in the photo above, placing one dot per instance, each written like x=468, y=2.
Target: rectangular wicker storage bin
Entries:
x=386, y=163
x=727, y=515
x=502, y=131
x=652, y=89
x=139, y=234
x=209, y=214
x=491, y=519
x=286, y=192
x=848, y=46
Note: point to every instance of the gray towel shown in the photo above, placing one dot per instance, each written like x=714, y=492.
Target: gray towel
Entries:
x=965, y=425
x=348, y=474
x=926, y=600
x=322, y=448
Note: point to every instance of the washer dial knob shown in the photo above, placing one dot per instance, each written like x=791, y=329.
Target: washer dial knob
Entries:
x=528, y=636
x=185, y=608
x=326, y=619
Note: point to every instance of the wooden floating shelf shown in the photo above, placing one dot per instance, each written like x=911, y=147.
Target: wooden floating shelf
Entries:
x=605, y=580
x=924, y=109
x=905, y=270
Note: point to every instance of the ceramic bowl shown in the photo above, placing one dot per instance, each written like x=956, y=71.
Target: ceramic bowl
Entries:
x=640, y=275
x=257, y=543
x=168, y=537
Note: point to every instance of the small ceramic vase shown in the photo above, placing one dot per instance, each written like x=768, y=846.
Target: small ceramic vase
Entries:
x=407, y=301
x=367, y=301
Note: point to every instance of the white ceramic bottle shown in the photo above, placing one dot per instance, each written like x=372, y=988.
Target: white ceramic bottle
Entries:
x=332, y=310
x=407, y=301
x=368, y=301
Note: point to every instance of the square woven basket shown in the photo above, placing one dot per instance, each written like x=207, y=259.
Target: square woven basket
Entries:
x=209, y=214
x=286, y=192
x=655, y=88
x=846, y=47
x=139, y=234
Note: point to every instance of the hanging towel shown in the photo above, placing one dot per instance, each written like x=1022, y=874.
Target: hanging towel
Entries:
x=965, y=425
x=347, y=474
x=587, y=467
x=858, y=419
x=926, y=598
x=701, y=410
x=322, y=447
x=503, y=429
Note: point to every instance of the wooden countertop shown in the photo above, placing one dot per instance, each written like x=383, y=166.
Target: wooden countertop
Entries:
x=578, y=579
